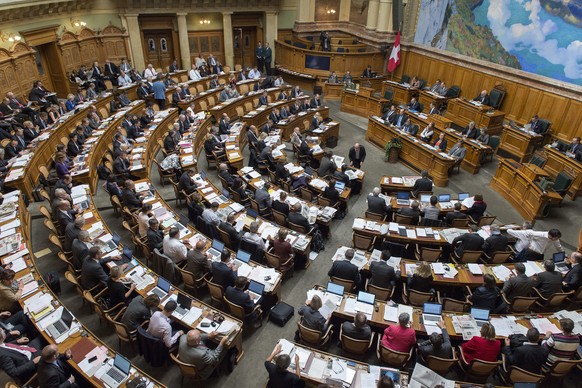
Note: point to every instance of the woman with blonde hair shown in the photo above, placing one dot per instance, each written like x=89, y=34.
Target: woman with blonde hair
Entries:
x=484, y=347
x=311, y=317
x=421, y=279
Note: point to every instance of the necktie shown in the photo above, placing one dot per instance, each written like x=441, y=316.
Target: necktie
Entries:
x=21, y=348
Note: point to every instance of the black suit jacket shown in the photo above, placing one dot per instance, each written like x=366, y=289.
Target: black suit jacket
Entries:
x=169, y=144
x=468, y=242
x=53, y=376
x=495, y=243
x=573, y=278
x=155, y=239
x=72, y=148
x=422, y=184
x=298, y=219
x=232, y=232
x=131, y=199
x=363, y=333
x=383, y=275
x=446, y=350
x=281, y=207
x=352, y=154
x=527, y=357
x=482, y=100
x=16, y=365
x=92, y=273
x=80, y=252
x=223, y=275
x=442, y=146
x=454, y=215
x=240, y=298
x=390, y=116
x=120, y=166
x=377, y=205
x=343, y=269
x=185, y=183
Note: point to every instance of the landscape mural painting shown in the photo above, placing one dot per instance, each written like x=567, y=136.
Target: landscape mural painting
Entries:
x=538, y=36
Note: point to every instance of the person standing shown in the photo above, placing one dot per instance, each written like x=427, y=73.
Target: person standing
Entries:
x=160, y=92
x=267, y=58
x=357, y=155
x=259, y=53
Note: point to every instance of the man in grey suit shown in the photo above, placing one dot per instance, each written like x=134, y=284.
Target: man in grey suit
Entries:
x=327, y=165
x=193, y=350
x=377, y=204
x=438, y=345
x=519, y=285
x=383, y=275
x=92, y=272
x=263, y=197
x=548, y=282
x=80, y=249
x=458, y=151
x=359, y=329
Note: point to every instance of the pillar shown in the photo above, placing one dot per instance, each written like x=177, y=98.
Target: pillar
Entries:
x=228, y=39
x=372, y=21
x=134, y=32
x=385, y=22
x=305, y=11
x=271, y=28
x=344, y=10
x=185, y=58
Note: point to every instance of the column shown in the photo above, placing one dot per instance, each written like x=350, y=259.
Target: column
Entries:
x=137, y=59
x=372, y=21
x=228, y=39
x=305, y=11
x=271, y=28
x=385, y=22
x=185, y=58
x=344, y=10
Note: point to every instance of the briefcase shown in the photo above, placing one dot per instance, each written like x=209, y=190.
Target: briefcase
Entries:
x=281, y=313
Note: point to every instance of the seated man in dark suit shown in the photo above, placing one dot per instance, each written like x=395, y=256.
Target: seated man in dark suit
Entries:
x=455, y=214
x=548, y=282
x=263, y=197
x=468, y=242
x=53, y=369
x=92, y=272
x=471, y=131
x=496, y=242
x=414, y=105
x=331, y=193
x=121, y=164
x=237, y=295
x=186, y=183
x=422, y=184
x=170, y=144
x=383, y=275
x=224, y=272
x=264, y=99
x=359, y=329
x=483, y=98
x=530, y=356
x=345, y=269
x=80, y=249
x=297, y=218
x=573, y=278
x=280, y=170
x=377, y=204
x=437, y=345
x=225, y=174
x=19, y=360
x=129, y=197
x=536, y=125
x=228, y=227
x=412, y=211
x=519, y=285
x=280, y=204
x=410, y=128
x=155, y=235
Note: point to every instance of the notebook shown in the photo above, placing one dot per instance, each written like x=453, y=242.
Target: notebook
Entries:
x=162, y=288
x=335, y=292
x=559, y=258
x=365, y=302
x=118, y=373
x=256, y=289
x=431, y=312
x=402, y=198
x=242, y=257
x=61, y=326
x=216, y=249
x=184, y=303
x=445, y=200
x=463, y=196
x=481, y=316
x=425, y=198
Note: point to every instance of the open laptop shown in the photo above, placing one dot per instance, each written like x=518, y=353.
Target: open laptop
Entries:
x=252, y=214
x=431, y=312
x=340, y=186
x=365, y=302
x=61, y=326
x=111, y=244
x=402, y=198
x=162, y=288
x=559, y=258
x=445, y=200
x=335, y=292
x=118, y=372
x=481, y=316
x=184, y=303
x=242, y=257
x=216, y=249
x=463, y=196
x=256, y=289
x=425, y=198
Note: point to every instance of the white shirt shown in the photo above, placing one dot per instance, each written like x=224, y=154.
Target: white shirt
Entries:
x=143, y=224
x=26, y=353
x=194, y=75
x=159, y=327
x=123, y=80
x=254, y=74
x=150, y=73
x=426, y=132
x=255, y=238
x=199, y=62
x=174, y=249
x=209, y=216
x=278, y=82
x=536, y=241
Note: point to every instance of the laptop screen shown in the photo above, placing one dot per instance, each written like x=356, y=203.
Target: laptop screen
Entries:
x=251, y=213
x=403, y=195
x=163, y=284
x=218, y=245
x=184, y=301
x=336, y=289
x=67, y=317
x=256, y=287
x=480, y=314
x=122, y=363
x=444, y=198
x=203, y=175
x=559, y=257
x=425, y=197
x=308, y=170
x=432, y=308
x=127, y=252
x=243, y=256
x=463, y=196
x=366, y=297
x=340, y=185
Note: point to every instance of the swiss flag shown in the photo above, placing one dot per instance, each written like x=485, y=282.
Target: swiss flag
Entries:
x=394, y=59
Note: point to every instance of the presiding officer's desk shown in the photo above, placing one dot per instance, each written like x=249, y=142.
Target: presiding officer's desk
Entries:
x=361, y=102
x=462, y=112
x=519, y=143
x=517, y=184
x=414, y=152
x=557, y=161
x=402, y=93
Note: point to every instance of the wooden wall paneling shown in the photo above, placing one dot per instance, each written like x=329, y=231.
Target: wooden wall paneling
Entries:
x=25, y=71
x=115, y=45
x=206, y=42
x=69, y=47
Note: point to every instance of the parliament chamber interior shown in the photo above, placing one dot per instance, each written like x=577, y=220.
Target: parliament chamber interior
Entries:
x=290, y=193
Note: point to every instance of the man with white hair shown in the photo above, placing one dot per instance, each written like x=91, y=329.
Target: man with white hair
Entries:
x=357, y=155
x=194, y=74
x=377, y=204
x=193, y=349
x=150, y=72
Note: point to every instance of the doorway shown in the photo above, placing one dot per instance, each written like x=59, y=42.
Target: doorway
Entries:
x=159, y=48
x=50, y=68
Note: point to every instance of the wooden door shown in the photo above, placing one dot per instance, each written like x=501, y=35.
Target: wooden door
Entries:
x=53, y=76
x=245, y=42
x=159, y=48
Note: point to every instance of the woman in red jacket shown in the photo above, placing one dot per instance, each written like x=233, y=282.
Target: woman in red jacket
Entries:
x=485, y=348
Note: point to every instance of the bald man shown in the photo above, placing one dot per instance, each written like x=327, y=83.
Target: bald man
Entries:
x=198, y=261
x=483, y=98
x=357, y=155
x=193, y=349
x=53, y=370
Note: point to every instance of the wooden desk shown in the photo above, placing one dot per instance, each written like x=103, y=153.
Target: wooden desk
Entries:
x=237, y=107
x=258, y=117
x=413, y=152
x=361, y=102
x=374, y=83
x=388, y=185
x=303, y=121
x=402, y=94
x=462, y=112
x=519, y=144
x=332, y=91
x=304, y=81
x=558, y=161
x=426, y=98
x=521, y=191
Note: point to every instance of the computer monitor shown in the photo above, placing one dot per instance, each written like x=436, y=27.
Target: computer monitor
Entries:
x=243, y=256
x=432, y=308
x=308, y=170
x=366, y=297
x=444, y=198
x=463, y=196
x=559, y=257
x=480, y=314
x=340, y=185
x=163, y=284
x=256, y=287
x=335, y=289
x=403, y=195
x=218, y=245
x=67, y=317
x=425, y=198
x=184, y=301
